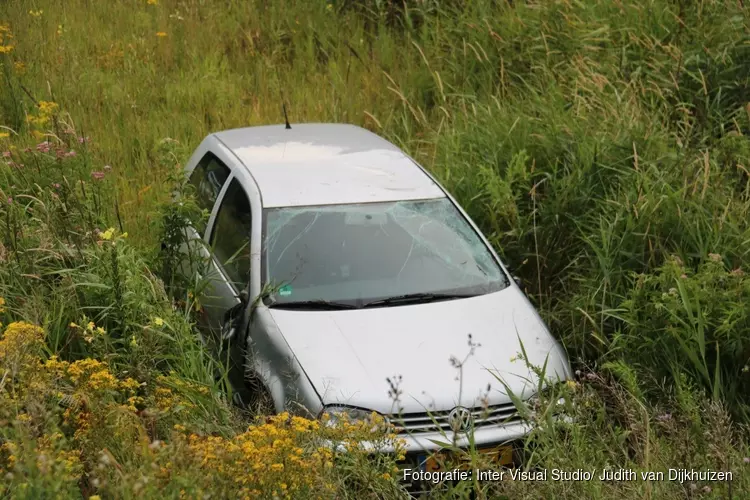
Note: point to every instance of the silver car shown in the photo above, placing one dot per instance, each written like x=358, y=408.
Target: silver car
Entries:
x=353, y=273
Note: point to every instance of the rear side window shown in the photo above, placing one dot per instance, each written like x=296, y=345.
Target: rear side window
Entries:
x=208, y=178
x=230, y=236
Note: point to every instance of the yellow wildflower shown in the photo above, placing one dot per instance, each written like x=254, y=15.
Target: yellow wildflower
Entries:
x=4, y=135
x=2, y=304
x=47, y=107
x=102, y=380
x=158, y=321
x=130, y=384
x=152, y=2
x=46, y=110
x=36, y=13
x=161, y=34
x=107, y=235
x=19, y=338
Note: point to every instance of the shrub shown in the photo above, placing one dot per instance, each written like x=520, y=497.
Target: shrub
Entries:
x=692, y=321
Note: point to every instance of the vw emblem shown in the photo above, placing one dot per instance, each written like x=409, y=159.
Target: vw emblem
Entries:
x=460, y=419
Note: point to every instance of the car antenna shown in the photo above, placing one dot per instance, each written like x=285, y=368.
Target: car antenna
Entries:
x=286, y=118
x=283, y=106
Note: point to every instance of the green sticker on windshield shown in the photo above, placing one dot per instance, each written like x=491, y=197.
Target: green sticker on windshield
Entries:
x=285, y=290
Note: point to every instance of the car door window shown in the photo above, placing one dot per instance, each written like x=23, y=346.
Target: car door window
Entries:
x=230, y=236
x=208, y=178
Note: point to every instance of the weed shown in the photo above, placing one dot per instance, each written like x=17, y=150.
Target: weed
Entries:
x=601, y=146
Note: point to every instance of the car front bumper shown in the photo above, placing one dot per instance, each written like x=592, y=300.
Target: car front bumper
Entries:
x=416, y=443
x=482, y=436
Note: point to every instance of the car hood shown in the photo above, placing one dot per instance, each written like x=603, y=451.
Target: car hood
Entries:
x=349, y=355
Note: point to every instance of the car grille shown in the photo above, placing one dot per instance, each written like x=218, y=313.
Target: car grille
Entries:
x=439, y=421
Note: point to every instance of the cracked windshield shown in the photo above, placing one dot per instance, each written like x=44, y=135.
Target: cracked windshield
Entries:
x=363, y=254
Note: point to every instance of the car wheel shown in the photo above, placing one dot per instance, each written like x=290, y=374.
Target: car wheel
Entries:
x=259, y=403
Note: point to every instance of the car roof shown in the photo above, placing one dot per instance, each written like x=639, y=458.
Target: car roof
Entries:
x=326, y=164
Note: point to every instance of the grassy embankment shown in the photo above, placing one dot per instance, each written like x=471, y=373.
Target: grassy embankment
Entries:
x=602, y=146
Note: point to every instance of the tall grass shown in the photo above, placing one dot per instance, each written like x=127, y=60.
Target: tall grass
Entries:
x=602, y=146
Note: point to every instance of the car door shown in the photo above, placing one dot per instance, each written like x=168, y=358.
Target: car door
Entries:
x=208, y=179
x=229, y=234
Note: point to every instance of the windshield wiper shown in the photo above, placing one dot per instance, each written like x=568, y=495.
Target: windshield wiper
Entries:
x=416, y=298
x=320, y=305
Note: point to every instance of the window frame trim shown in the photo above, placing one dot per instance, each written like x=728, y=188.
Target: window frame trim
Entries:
x=205, y=159
x=210, y=229
x=215, y=210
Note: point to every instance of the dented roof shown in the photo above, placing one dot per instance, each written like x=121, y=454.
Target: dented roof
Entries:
x=326, y=164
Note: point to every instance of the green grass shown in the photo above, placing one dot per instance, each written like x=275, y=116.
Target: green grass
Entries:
x=602, y=146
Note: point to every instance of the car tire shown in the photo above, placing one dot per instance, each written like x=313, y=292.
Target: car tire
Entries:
x=260, y=402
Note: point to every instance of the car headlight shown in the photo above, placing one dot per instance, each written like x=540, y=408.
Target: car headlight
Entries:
x=333, y=414
x=550, y=397
x=545, y=398
x=550, y=402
